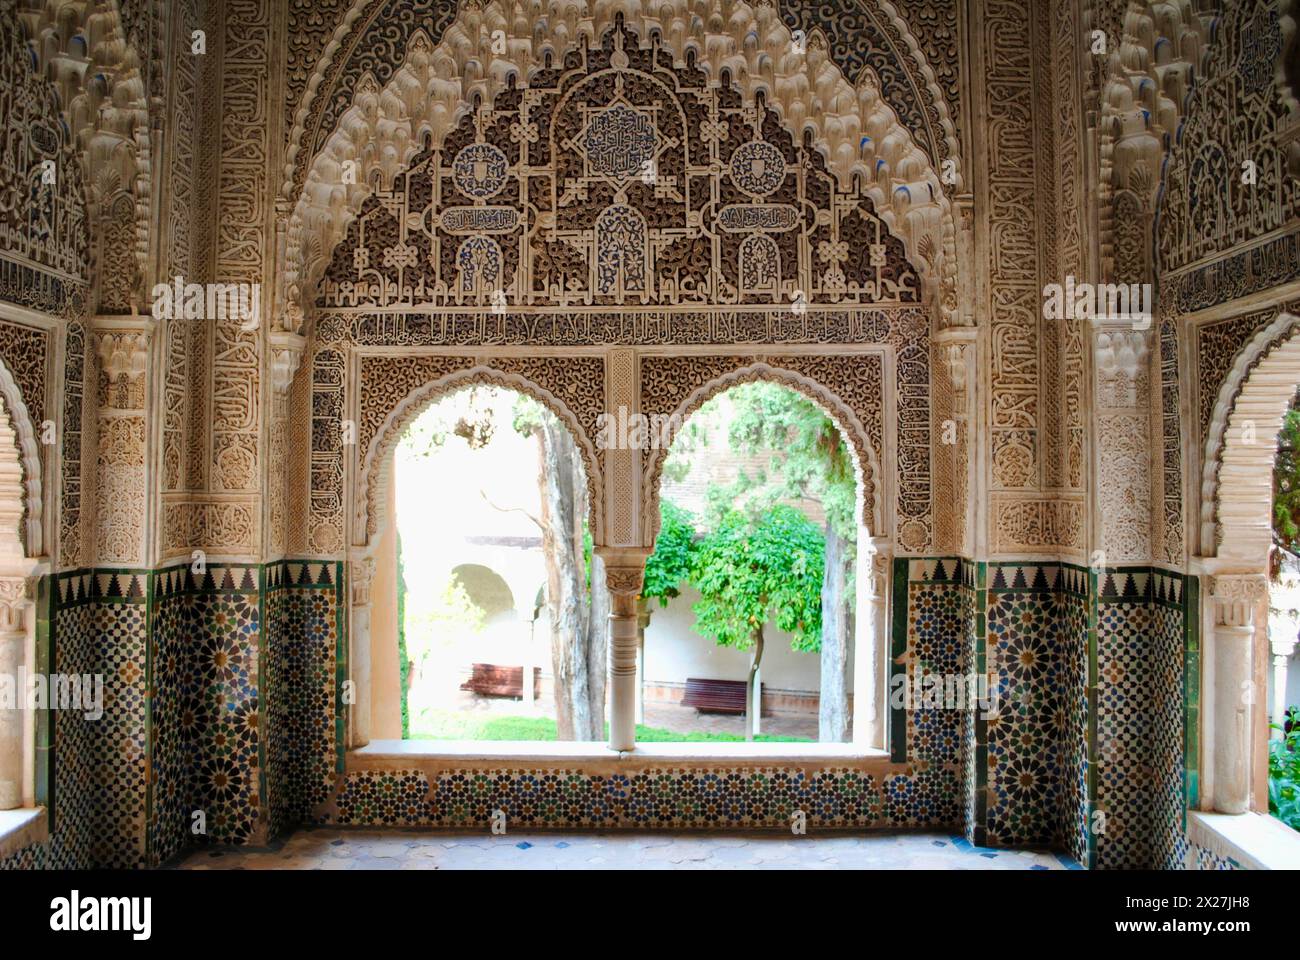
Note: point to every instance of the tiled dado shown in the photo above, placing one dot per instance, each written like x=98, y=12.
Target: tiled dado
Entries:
x=630, y=794
x=208, y=729
x=1095, y=673
x=1034, y=754
x=220, y=697
x=93, y=778
x=1147, y=707
x=1018, y=775
x=1086, y=752
x=244, y=700
x=305, y=671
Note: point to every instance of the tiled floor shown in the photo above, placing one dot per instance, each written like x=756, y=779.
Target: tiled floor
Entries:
x=322, y=849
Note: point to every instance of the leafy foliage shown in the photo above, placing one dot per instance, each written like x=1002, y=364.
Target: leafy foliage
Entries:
x=810, y=459
x=670, y=565
x=751, y=571
x=1284, y=773
x=1286, y=483
x=465, y=413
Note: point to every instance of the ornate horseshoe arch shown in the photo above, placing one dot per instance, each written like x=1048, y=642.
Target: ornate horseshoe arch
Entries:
x=1237, y=470
x=24, y=454
x=375, y=476
x=871, y=495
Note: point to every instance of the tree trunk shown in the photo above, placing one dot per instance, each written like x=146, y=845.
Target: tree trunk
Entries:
x=833, y=710
x=749, y=682
x=598, y=647
x=560, y=482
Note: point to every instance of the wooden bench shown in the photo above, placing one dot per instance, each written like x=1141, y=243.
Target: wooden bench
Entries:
x=715, y=696
x=494, y=680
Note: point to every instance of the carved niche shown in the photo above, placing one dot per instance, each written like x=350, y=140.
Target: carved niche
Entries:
x=616, y=180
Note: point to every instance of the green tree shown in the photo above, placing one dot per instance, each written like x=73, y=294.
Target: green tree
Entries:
x=809, y=461
x=670, y=565
x=1286, y=483
x=754, y=570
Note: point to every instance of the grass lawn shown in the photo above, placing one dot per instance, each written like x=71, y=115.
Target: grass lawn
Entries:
x=453, y=725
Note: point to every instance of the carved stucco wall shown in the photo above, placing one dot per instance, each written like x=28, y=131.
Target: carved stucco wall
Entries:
x=1220, y=240
x=251, y=462
x=715, y=156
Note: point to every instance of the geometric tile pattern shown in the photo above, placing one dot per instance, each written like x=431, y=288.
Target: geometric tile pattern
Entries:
x=704, y=798
x=305, y=660
x=97, y=789
x=1036, y=757
x=244, y=722
x=206, y=707
x=170, y=727
x=1074, y=816
x=934, y=653
x=1124, y=730
x=220, y=703
x=1025, y=762
x=1144, y=714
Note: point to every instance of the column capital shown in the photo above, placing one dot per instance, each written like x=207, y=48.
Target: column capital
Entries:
x=286, y=354
x=1121, y=351
x=361, y=574
x=122, y=347
x=624, y=569
x=1236, y=597
x=16, y=593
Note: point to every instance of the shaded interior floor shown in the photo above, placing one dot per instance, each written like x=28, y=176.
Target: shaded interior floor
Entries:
x=333, y=849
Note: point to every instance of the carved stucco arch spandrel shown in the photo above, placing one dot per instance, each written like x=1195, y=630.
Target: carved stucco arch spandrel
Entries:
x=372, y=484
x=1237, y=471
x=871, y=481
x=855, y=129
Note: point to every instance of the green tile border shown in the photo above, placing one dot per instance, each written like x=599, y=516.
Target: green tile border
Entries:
x=1093, y=684
x=897, y=668
x=979, y=828
x=340, y=668
x=1191, y=695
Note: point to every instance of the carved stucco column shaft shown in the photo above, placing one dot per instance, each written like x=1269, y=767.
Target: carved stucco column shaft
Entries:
x=13, y=636
x=122, y=511
x=624, y=571
x=1121, y=458
x=285, y=357
x=1235, y=600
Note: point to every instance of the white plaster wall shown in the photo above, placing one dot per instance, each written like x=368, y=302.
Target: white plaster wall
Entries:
x=674, y=652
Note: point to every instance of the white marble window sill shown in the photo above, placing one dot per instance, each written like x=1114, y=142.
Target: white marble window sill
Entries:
x=1254, y=840
x=525, y=750
x=22, y=828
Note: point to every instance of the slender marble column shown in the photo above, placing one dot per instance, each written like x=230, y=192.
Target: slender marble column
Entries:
x=1235, y=599
x=13, y=637
x=624, y=572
